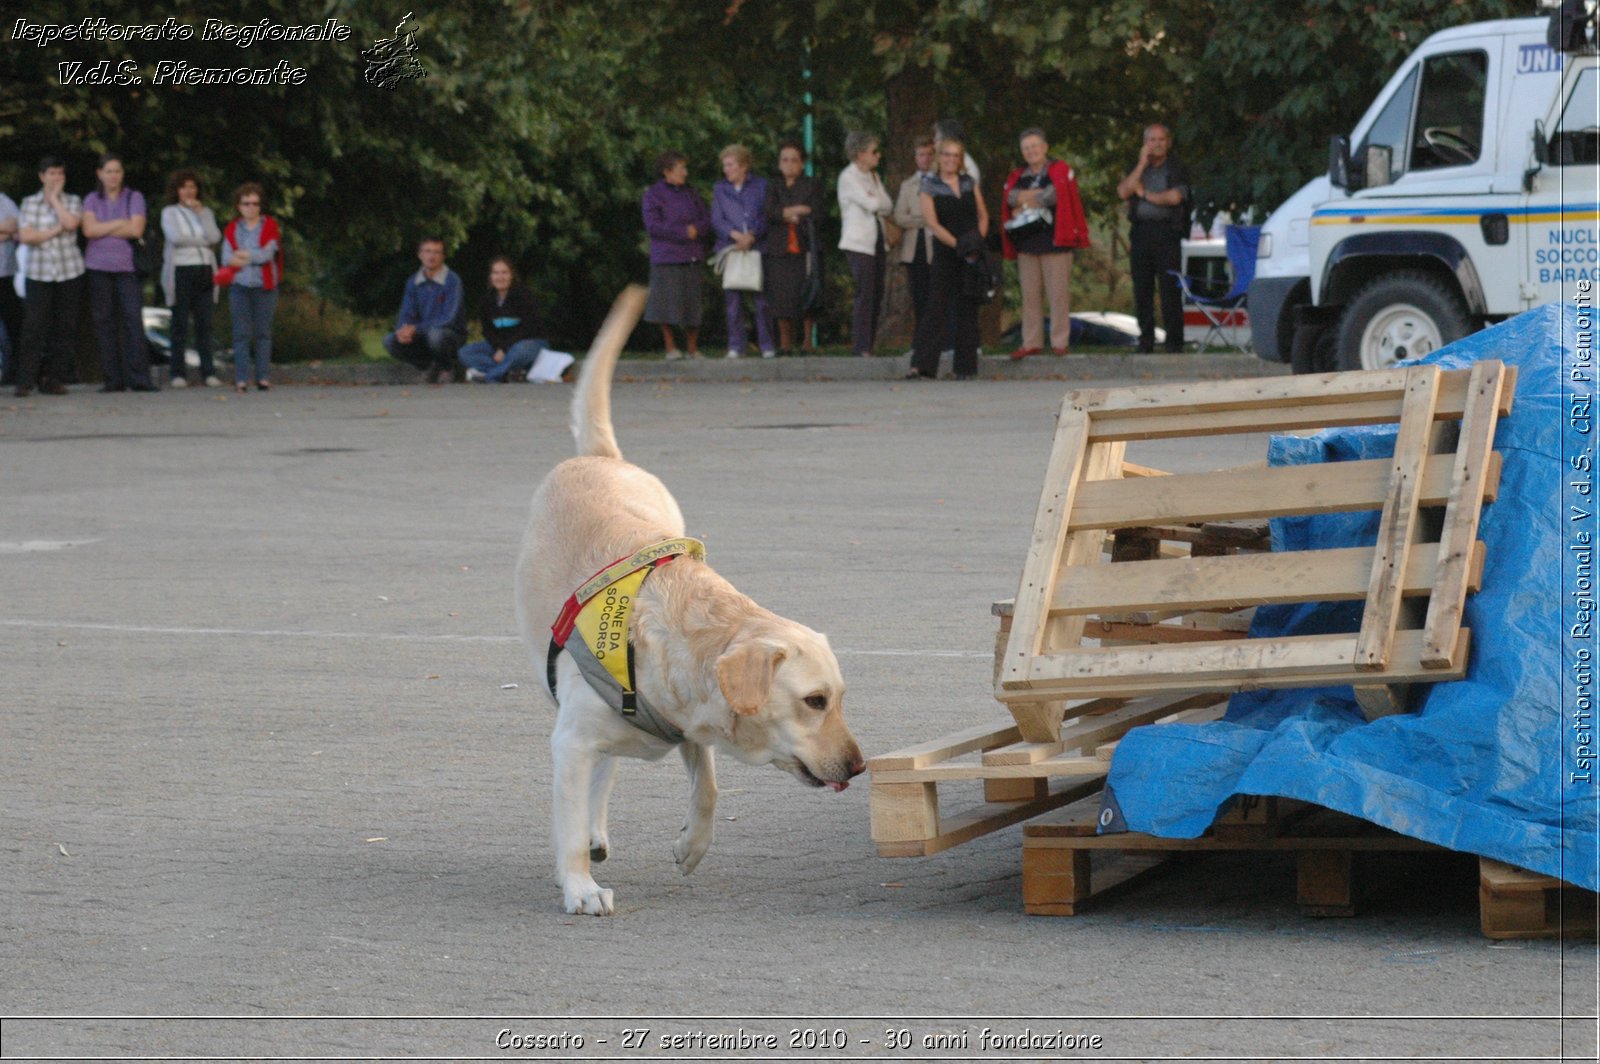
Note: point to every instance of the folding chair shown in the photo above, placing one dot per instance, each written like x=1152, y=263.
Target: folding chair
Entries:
x=1218, y=310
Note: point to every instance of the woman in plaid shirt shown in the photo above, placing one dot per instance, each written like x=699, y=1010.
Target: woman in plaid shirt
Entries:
x=49, y=222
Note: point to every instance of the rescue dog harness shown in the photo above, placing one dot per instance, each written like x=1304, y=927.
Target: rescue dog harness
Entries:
x=599, y=613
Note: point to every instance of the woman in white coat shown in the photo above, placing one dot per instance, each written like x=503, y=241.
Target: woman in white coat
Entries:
x=863, y=204
x=188, y=261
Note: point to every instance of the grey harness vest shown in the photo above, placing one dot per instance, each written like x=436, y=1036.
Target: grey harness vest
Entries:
x=598, y=614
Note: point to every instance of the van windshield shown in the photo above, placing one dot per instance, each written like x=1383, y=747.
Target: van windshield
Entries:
x=1576, y=141
x=1392, y=127
x=1449, y=126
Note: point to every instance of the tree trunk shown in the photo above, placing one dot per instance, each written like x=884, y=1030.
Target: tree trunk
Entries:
x=913, y=106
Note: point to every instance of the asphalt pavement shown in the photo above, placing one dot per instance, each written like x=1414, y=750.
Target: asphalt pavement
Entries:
x=272, y=760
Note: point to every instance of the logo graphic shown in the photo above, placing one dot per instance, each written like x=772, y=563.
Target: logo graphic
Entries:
x=392, y=60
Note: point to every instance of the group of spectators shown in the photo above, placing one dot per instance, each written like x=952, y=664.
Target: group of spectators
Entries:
x=760, y=234
x=937, y=227
x=44, y=270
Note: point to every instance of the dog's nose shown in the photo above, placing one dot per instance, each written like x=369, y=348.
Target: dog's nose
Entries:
x=857, y=766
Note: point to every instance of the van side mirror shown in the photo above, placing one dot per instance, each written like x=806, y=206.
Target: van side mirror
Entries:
x=1380, y=165
x=1541, y=143
x=1339, y=162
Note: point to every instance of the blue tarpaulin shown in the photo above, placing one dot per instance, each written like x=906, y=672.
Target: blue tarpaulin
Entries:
x=1500, y=763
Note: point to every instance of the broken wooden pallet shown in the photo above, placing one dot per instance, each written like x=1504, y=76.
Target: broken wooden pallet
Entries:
x=1515, y=903
x=1443, y=459
x=1065, y=864
x=911, y=788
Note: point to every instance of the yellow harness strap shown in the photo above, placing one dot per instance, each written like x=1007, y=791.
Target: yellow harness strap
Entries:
x=599, y=613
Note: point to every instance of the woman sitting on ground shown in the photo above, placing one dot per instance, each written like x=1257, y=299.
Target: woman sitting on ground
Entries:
x=510, y=318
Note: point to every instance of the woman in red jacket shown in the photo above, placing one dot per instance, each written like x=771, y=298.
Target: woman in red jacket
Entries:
x=1042, y=224
x=253, y=248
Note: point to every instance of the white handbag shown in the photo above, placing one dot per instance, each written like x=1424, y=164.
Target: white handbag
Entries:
x=740, y=270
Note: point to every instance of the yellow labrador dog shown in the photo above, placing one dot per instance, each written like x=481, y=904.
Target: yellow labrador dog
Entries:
x=644, y=647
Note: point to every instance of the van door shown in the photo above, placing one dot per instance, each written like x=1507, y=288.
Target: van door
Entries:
x=1562, y=218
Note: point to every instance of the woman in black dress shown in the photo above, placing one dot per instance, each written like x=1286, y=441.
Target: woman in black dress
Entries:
x=794, y=202
x=959, y=221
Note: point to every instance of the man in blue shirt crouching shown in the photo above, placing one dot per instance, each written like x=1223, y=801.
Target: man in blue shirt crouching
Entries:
x=432, y=323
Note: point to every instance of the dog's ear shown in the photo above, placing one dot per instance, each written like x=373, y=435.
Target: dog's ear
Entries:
x=745, y=674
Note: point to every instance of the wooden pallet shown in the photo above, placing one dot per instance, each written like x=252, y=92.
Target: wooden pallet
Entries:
x=913, y=788
x=1514, y=903
x=1443, y=459
x=1065, y=865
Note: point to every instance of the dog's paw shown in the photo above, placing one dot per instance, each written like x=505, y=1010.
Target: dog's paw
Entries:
x=690, y=847
x=588, y=899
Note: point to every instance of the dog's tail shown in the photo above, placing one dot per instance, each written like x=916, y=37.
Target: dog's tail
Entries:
x=591, y=405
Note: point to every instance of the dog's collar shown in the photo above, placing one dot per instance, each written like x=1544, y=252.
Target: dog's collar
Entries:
x=599, y=613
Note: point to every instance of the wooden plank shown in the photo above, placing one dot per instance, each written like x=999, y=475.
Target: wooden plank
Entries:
x=1258, y=393
x=1060, y=765
x=1054, y=882
x=1325, y=884
x=1280, y=491
x=990, y=817
x=1290, y=661
x=1397, y=528
x=1098, y=721
x=1235, y=580
x=1015, y=790
x=1034, y=836
x=1108, y=632
x=903, y=812
x=1341, y=409
x=981, y=737
x=1040, y=722
x=1462, y=512
x=1280, y=654
x=1061, y=485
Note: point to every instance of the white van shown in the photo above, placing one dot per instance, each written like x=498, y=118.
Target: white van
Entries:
x=1469, y=195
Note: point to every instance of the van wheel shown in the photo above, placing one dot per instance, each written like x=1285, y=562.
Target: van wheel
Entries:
x=1398, y=318
x=1312, y=350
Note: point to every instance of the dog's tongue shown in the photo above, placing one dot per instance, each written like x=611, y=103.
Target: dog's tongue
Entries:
x=836, y=785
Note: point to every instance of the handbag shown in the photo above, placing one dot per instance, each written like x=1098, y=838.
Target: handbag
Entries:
x=811, y=294
x=141, y=256
x=1029, y=221
x=740, y=270
x=979, y=278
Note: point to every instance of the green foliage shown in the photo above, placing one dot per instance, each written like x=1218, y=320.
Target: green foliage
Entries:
x=535, y=130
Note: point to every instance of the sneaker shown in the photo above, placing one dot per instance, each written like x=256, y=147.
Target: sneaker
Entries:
x=673, y=356
x=179, y=382
x=732, y=353
x=476, y=376
x=769, y=354
x=213, y=382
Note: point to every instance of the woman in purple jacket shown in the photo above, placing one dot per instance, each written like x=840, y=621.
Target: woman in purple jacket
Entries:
x=113, y=222
x=739, y=218
x=678, y=223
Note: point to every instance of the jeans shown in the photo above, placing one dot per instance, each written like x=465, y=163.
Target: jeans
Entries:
x=428, y=347
x=49, y=331
x=193, y=293
x=114, y=301
x=252, y=328
x=479, y=355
